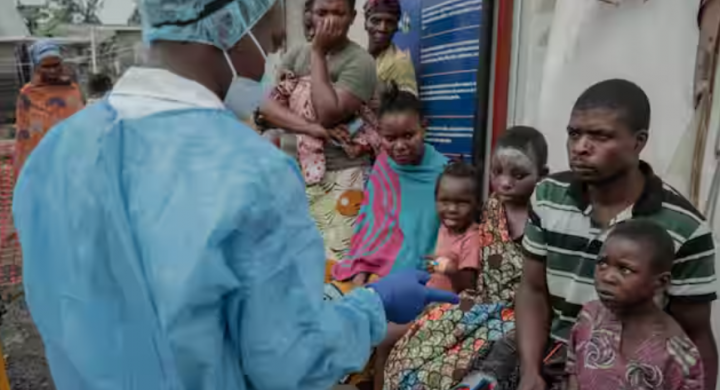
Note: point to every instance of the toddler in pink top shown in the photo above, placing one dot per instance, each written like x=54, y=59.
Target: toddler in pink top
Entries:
x=457, y=256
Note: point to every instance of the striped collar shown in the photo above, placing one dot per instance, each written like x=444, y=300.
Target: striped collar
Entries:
x=649, y=202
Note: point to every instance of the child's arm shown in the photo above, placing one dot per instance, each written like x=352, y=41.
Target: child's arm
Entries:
x=462, y=278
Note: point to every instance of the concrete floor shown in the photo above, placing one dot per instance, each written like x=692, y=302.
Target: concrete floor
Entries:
x=27, y=368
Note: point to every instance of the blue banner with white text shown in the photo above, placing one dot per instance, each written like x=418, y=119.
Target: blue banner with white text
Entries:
x=443, y=37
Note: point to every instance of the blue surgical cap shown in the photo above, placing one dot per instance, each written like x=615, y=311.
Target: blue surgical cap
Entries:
x=43, y=49
x=220, y=23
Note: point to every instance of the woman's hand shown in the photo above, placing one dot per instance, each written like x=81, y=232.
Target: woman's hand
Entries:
x=340, y=134
x=317, y=131
x=327, y=33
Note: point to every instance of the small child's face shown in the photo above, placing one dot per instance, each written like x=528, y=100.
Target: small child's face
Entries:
x=456, y=202
x=624, y=276
x=513, y=175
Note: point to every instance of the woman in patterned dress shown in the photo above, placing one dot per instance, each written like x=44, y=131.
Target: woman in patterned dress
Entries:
x=50, y=97
x=445, y=344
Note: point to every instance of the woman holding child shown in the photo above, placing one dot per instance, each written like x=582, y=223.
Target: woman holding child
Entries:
x=337, y=138
x=323, y=86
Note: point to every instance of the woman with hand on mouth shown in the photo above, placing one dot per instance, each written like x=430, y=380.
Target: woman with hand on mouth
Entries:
x=324, y=87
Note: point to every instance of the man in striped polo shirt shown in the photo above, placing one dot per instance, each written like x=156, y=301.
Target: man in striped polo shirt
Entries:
x=573, y=211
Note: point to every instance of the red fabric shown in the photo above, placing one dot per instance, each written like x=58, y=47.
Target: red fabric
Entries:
x=10, y=254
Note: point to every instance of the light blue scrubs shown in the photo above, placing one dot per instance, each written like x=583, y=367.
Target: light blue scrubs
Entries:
x=175, y=251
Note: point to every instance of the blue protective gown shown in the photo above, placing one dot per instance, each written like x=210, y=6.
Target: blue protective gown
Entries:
x=175, y=251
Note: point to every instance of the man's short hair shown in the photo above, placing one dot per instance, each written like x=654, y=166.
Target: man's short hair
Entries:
x=621, y=95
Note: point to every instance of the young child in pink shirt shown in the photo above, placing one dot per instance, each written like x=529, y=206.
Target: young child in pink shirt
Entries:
x=456, y=260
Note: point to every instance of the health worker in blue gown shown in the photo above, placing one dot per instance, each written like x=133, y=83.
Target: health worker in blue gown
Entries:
x=168, y=246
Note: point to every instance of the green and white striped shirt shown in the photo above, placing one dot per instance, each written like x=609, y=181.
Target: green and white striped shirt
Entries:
x=562, y=234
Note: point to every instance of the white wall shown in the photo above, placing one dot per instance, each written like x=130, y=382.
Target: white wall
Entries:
x=531, y=33
x=357, y=30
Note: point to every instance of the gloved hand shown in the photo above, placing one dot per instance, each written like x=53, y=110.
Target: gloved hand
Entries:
x=404, y=295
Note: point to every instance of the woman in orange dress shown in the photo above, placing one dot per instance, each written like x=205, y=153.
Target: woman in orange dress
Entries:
x=47, y=99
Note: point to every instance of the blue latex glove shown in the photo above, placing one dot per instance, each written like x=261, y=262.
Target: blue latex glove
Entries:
x=404, y=295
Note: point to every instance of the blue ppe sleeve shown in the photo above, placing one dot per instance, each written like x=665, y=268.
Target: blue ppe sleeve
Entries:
x=289, y=337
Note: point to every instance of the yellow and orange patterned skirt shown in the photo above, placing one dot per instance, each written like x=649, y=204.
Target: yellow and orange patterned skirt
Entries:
x=335, y=205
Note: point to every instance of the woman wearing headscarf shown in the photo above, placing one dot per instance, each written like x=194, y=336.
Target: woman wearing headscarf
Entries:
x=159, y=255
x=47, y=99
x=382, y=18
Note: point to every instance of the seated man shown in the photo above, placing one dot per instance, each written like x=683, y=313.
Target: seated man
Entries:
x=571, y=215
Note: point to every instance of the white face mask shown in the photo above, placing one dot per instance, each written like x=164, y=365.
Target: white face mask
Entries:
x=245, y=95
